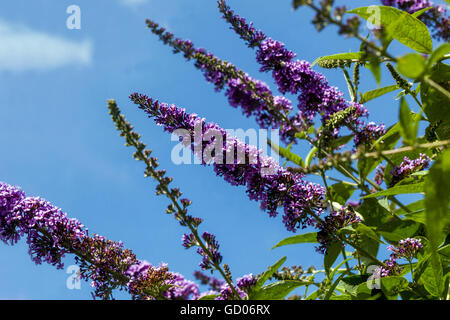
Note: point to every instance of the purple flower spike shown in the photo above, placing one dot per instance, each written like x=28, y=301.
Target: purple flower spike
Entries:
x=266, y=182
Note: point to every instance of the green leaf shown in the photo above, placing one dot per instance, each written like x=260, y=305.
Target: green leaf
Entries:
x=300, y=238
x=368, y=232
x=372, y=94
x=445, y=251
x=357, y=56
x=408, y=123
x=278, y=290
x=437, y=201
x=376, y=71
x=432, y=277
x=420, y=12
x=341, y=192
x=286, y=153
x=437, y=54
x=310, y=156
x=401, y=189
x=331, y=255
x=435, y=104
x=209, y=297
x=411, y=65
x=415, y=206
x=267, y=274
x=400, y=25
x=395, y=230
x=351, y=283
x=341, y=141
x=333, y=286
x=418, y=216
x=392, y=286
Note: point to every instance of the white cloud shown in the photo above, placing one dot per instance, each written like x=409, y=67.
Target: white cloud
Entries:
x=133, y=3
x=24, y=49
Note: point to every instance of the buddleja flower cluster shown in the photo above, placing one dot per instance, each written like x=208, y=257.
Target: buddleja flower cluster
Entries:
x=435, y=18
x=407, y=167
x=405, y=249
x=315, y=95
x=51, y=235
x=266, y=182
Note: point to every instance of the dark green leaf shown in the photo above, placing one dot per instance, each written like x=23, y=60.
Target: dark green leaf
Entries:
x=437, y=54
x=331, y=255
x=408, y=125
x=310, y=156
x=372, y=94
x=411, y=65
x=392, y=286
x=415, y=206
x=341, y=192
x=436, y=105
x=357, y=56
x=267, y=274
x=368, y=232
x=400, y=25
x=402, y=189
x=300, y=238
x=432, y=277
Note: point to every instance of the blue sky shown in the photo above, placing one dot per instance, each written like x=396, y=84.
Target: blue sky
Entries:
x=58, y=141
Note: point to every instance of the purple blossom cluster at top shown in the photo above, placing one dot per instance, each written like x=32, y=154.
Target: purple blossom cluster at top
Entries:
x=435, y=18
x=51, y=235
x=315, y=95
x=407, y=249
x=333, y=223
x=408, y=167
x=249, y=34
x=266, y=182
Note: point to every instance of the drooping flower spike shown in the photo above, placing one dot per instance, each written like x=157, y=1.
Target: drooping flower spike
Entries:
x=241, y=164
x=51, y=235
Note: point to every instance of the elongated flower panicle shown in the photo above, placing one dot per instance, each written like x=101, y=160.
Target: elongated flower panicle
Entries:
x=407, y=167
x=51, y=235
x=266, y=182
x=315, y=95
x=249, y=34
x=435, y=18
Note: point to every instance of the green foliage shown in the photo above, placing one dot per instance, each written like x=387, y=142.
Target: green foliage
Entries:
x=372, y=94
x=299, y=238
x=401, y=26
